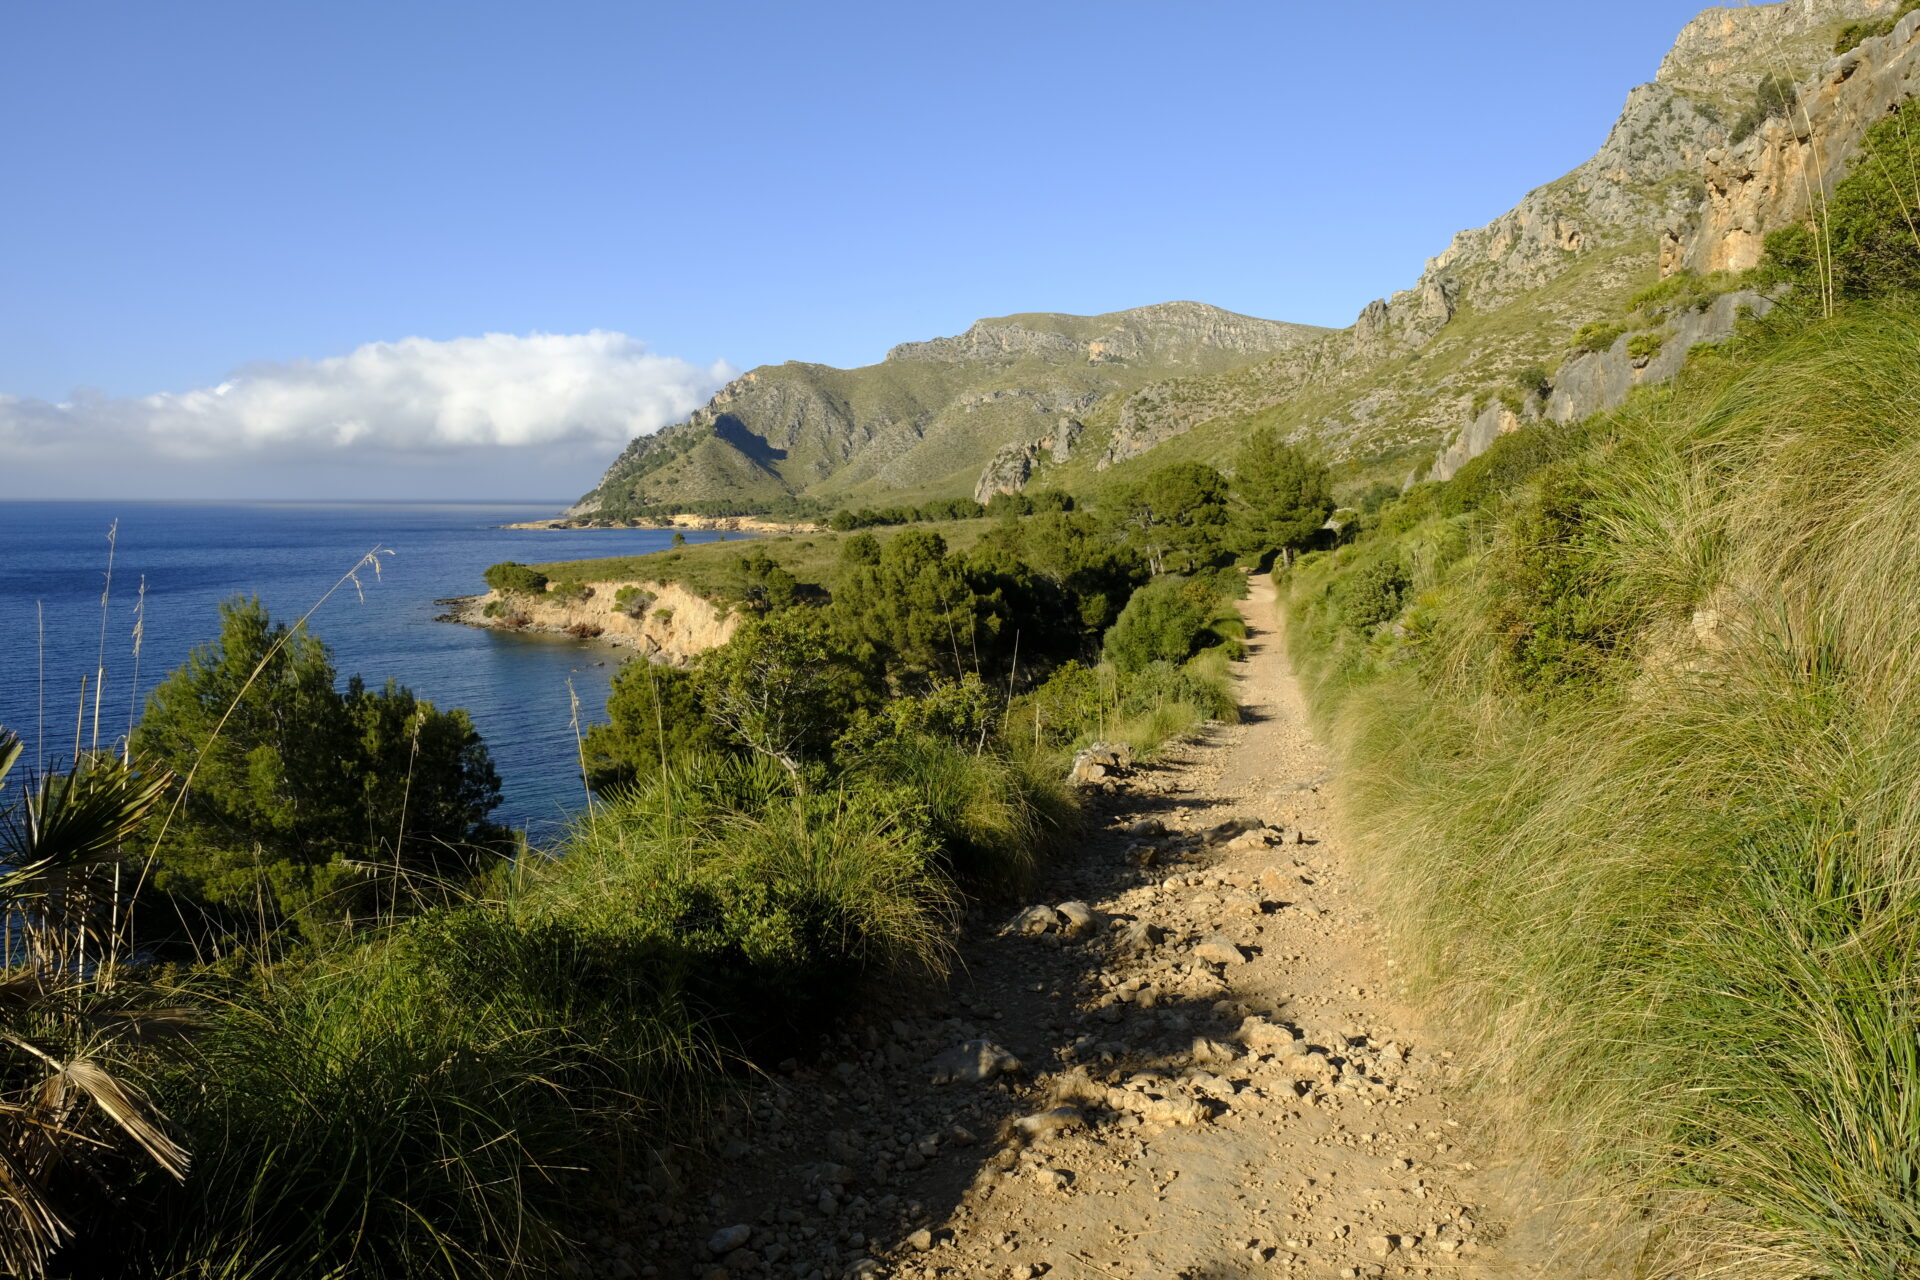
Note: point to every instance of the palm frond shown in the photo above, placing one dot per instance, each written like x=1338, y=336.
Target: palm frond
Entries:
x=77, y=819
x=127, y=1108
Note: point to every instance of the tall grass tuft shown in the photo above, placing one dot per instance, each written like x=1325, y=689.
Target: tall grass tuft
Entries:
x=1639, y=760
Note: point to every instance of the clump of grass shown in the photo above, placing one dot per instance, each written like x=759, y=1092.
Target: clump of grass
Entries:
x=431, y=1101
x=1670, y=874
x=993, y=813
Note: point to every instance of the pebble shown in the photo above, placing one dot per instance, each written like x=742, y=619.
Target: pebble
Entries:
x=1047, y=1122
x=727, y=1239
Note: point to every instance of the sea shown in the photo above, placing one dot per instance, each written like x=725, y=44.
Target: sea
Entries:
x=521, y=690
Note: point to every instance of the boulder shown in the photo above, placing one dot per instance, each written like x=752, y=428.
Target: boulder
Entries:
x=1100, y=761
x=1036, y=920
x=1080, y=919
x=1218, y=949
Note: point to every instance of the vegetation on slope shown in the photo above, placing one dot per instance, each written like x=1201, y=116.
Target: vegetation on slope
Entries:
x=1629, y=715
x=283, y=1012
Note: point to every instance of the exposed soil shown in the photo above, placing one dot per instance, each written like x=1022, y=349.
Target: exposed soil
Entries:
x=1245, y=1093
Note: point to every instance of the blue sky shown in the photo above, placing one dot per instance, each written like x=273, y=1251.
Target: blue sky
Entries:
x=200, y=194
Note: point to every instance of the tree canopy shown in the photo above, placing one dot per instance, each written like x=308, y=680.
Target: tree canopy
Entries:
x=1281, y=498
x=303, y=779
x=1175, y=517
x=914, y=608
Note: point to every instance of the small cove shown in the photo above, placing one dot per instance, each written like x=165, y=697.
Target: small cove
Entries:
x=193, y=555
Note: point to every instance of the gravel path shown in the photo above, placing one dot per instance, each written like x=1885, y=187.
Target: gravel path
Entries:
x=1215, y=1078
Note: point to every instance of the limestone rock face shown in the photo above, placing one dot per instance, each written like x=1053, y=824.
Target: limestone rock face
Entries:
x=1601, y=380
x=1475, y=439
x=1013, y=465
x=1769, y=180
x=675, y=627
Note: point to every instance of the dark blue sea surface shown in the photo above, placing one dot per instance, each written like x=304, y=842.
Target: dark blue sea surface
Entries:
x=53, y=563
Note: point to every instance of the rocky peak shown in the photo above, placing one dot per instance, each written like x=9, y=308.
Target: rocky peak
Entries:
x=1723, y=53
x=1641, y=182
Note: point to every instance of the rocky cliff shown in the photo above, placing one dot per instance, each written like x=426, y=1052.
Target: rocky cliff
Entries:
x=1780, y=173
x=666, y=622
x=1667, y=189
x=1052, y=399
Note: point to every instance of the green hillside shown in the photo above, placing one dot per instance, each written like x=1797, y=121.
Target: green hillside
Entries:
x=925, y=421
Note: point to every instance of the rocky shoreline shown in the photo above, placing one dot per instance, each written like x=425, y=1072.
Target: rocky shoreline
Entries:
x=724, y=524
x=659, y=620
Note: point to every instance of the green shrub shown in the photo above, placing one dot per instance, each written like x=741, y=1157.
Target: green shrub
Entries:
x=1851, y=35
x=298, y=785
x=1376, y=496
x=633, y=601
x=1534, y=382
x=1643, y=347
x=1372, y=594
x=1074, y=702
x=1872, y=235
x=513, y=578
x=1165, y=621
x=1597, y=335
x=964, y=712
x=571, y=592
x=655, y=720
x=1774, y=98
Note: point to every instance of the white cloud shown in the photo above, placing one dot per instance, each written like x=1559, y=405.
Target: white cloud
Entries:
x=463, y=397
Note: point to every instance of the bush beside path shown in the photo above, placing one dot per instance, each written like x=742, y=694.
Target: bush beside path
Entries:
x=1182, y=1055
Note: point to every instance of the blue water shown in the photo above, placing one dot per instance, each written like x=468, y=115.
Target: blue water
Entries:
x=194, y=555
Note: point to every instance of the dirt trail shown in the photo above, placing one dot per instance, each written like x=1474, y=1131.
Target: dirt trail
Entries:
x=1215, y=1077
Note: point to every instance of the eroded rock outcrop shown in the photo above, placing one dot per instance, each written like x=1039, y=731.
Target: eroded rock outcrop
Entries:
x=1009, y=470
x=1776, y=176
x=664, y=621
x=1595, y=382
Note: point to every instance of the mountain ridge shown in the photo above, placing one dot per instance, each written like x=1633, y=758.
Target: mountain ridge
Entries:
x=928, y=415
x=1670, y=189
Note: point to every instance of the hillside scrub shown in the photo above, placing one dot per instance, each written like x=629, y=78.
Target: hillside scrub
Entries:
x=432, y=1093
x=1633, y=737
x=512, y=578
x=1854, y=33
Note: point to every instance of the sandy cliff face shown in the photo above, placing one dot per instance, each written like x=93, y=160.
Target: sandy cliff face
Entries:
x=675, y=626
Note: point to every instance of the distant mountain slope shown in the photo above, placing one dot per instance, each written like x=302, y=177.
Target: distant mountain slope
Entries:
x=1498, y=306
x=928, y=418
x=1688, y=178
